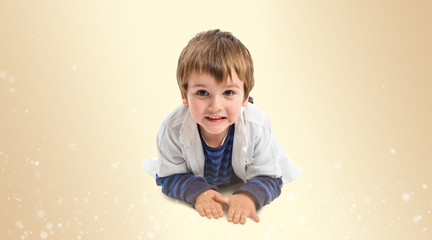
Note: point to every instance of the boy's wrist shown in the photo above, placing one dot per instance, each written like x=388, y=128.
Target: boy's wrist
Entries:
x=199, y=188
x=249, y=196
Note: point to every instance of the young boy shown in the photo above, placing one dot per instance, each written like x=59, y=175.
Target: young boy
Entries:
x=216, y=138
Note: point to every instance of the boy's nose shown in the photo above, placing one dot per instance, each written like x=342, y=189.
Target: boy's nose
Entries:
x=215, y=104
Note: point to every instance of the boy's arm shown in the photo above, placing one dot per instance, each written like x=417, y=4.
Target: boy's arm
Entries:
x=263, y=189
x=184, y=187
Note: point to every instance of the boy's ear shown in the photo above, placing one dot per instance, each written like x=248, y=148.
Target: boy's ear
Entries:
x=184, y=100
x=245, y=102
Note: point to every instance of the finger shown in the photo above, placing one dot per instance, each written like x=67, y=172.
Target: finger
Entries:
x=200, y=210
x=220, y=198
x=244, y=217
x=208, y=212
x=231, y=214
x=236, y=218
x=255, y=217
x=220, y=210
x=215, y=212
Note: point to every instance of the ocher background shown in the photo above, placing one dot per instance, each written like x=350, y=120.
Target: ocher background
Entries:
x=84, y=86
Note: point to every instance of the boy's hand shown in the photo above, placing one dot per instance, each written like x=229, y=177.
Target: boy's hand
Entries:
x=241, y=206
x=206, y=205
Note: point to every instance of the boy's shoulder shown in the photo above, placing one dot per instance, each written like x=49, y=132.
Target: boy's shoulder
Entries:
x=254, y=114
x=176, y=116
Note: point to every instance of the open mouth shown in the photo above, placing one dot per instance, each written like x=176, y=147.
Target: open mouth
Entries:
x=215, y=118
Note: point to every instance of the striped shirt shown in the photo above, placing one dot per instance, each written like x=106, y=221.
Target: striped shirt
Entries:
x=217, y=167
x=218, y=171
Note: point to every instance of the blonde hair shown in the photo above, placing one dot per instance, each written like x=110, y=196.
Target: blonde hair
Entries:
x=217, y=53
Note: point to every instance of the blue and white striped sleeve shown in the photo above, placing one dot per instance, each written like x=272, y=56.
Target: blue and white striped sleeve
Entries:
x=184, y=187
x=263, y=188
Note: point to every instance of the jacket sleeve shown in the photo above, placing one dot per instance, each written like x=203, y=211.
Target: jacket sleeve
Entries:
x=185, y=187
x=266, y=153
x=263, y=189
x=170, y=158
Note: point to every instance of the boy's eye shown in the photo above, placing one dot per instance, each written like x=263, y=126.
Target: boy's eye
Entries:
x=202, y=93
x=228, y=93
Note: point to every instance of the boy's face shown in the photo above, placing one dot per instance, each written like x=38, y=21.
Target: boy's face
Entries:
x=214, y=106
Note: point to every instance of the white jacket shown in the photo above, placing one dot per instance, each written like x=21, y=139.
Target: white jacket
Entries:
x=255, y=151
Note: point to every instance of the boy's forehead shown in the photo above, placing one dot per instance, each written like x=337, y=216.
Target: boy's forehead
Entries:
x=197, y=79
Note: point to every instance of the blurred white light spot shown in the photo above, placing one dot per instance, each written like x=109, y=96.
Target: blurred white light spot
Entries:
x=338, y=165
x=156, y=227
x=49, y=226
x=301, y=219
x=43, y=235
x=71, y=146
x=74, y=67
x=424, y=186
x=11, y=80
x=367, y=200
x=417, y=218
x=2, y=74
x=406, y=197
x=12, y=90
x=96, y=217
x=392, y=151
x=290, y=197
x=19, y=225
x=115, y=165
x=40, y=214
x=150, y=235
x=36, y=163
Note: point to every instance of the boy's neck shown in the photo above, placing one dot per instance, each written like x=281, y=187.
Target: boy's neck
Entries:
x=214, y=140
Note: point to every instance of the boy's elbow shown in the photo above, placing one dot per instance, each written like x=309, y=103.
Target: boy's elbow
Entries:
x=159, y=181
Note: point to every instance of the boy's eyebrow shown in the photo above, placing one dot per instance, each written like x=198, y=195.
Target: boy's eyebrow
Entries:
x=198, y=86
x=232, y=86
x=204, y=86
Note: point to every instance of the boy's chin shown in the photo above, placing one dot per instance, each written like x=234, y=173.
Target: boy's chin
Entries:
x=215, y=130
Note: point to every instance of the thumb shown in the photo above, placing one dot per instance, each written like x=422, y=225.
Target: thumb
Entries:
x=220, y=198
x=255, y=217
